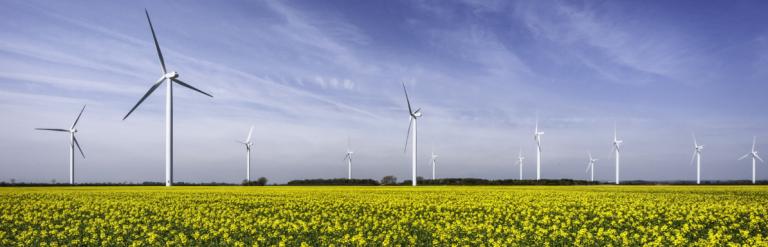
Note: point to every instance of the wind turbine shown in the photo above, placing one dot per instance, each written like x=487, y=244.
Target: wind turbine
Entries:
x=414, y=116
x=537, y=137
x=591, y=167
x=72, y=143
x=520, y=159
x=348, y=158
x=434, y=163
x=697, y=155
x=754, y=156
x=617, y=151
x=248, y=144
x=170, y=78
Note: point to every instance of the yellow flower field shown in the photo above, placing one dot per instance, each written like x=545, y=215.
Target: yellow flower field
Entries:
x=375, y=216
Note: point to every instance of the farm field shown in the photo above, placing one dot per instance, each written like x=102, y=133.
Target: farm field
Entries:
x=373, y=216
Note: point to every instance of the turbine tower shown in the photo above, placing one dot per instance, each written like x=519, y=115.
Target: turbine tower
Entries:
x=520, y=159
x=754, y=156
x=72, y=143
x=617, y=151
x=434, y=163
x=248, y=144
x=414, y=116
x=348, y=158
x=537, y=137
x=591, y=167
x=697, y=155
x=170, y=78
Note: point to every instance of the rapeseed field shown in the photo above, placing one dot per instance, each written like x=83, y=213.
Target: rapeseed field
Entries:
x=385, y=216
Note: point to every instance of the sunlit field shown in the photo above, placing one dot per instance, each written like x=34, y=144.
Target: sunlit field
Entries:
x=356, y=216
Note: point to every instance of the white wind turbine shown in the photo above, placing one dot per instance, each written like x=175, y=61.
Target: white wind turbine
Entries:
x=72, y=143
x=248, y=144
x=617, y=151
x=754, y=156
x=348, y=158
x=434, y=163
x=697, y=155
x=591, y=167
x=170, y=78
x=537, y=137
x=414, y=116
x=520, y=159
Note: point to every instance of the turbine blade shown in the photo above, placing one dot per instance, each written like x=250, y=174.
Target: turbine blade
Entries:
x=408, y=134
x=78, y=147
x=62, y=130
x=78, y=117
x=695, y=143
x=157, y=45
x=742, y=157
x=249, y=135
x=538, y=144
x=754, y=140
x=151, y=89
x=758, y=157
x=190, y=87
x=693, y=157
x=410, y=111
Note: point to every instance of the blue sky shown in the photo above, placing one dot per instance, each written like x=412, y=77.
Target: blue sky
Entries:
x=307, y=74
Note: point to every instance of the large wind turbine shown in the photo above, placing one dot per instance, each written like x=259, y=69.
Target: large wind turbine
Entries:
x=72, y=143
x=591, y=167
x=248, y=144
x=617, y=151
x=537, y=137
x=754, y=156
x=434, y=163
x=348, y=158
x=520, y=159
x=170, y=78
x=697, y=155
x=414, y=116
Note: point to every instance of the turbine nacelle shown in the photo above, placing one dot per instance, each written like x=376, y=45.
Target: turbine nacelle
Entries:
x=171, y=75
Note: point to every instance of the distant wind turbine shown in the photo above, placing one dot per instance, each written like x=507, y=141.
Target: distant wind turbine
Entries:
x=168, y=77
x=414, y=116
x=697, y=156
x=520, y=159
x=591, y=167
x=537, y=137
x=754, y=156
x=72, y=143
x=248, y=144
x=434, y=163
x=348, y=158
x=617, y=151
